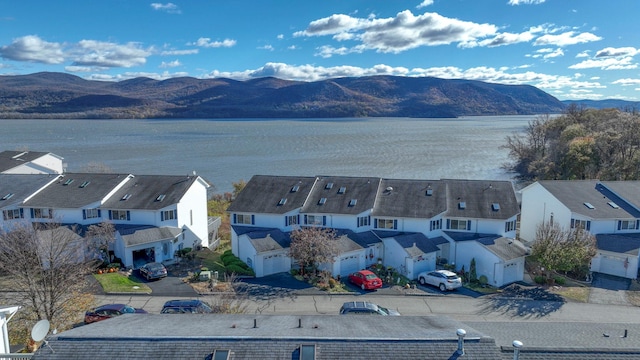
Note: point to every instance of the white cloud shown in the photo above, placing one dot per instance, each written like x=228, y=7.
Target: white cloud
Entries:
x=105, y=54
x=623, y=51
x=609, y=63
x=525, y=2
x=32, y=48
x=179, y=52
x=280, y=36
x=292, y=47
x=132, y=75
x=507, y=39
x=627, y=82
x=206, y=42
x=170, y=8
x=424, y=3
x=566, y=38
x=79, y=68
x=583, y=54
x=171, y=64
x=266, y=47
x=556, y=53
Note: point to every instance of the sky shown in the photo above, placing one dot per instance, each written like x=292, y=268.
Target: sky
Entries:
x=571, y=49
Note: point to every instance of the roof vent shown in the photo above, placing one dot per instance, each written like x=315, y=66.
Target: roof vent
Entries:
x=589, y=206
x=389, y=188
x=429, y=192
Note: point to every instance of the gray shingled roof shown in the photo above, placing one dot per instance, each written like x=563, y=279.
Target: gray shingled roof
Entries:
x=627, y=190
x=12, y=159
x=339, y=194
x=132, y=236
x=479, y=196
x=21, y=186
x=411, y=198
x=507, y=249
x=620, y=243
x=416, y=243
x=575, y=193
x=196, y=336
x=269, y=240
x=145, y=192
x=76, y=190
x=263, y=194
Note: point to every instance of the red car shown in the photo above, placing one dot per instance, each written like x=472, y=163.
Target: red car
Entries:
x=365, y=279
x=105, y=312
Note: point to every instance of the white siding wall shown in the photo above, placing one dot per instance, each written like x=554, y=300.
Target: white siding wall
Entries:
x=485, y=260
x=394, y=254
x=192, y=213
x=537, y=206
x=246, y=251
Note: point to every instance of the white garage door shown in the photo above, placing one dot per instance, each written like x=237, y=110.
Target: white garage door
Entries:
x=510, y=273
x=612, y=265
x=273, y=264
x=349, y=264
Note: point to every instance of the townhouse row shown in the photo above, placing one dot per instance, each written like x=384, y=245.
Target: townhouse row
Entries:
x=154, y=215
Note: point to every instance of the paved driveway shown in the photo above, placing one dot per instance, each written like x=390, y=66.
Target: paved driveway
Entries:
x=169, y=286
x=608, y=289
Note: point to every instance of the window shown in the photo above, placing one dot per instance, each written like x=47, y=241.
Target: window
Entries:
x=12, y=214
x=459, y=224
x=169, y=215
x=307, y=352
x=386, y=224
x=435, y=225
x=118, y=215
x=314, y=220
x=220, y=354
x=90, y=213
x=38, y=213
x=353, y=202
x=292, y=220
x=243, y=219
x=626, y=224
x=581, y=224
x=509, y=226
x=364, y=221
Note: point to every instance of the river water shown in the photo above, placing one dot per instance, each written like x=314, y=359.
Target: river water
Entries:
x=226, y=151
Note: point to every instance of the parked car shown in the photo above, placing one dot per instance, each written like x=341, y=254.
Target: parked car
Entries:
x=153, y=270
x=365, y=279
x=186, y=307
x=108, y=311
x=442, y=279
x=365, y=308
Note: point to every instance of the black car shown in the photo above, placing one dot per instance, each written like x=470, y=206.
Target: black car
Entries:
x=365, y=308
x=108, y=311
x=153, y=270
x=186, y=307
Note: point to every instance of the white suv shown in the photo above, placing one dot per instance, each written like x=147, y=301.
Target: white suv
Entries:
x=442, y=279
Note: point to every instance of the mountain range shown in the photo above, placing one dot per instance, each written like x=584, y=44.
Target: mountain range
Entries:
x=60, y=95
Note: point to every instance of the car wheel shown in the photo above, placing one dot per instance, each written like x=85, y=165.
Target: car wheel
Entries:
x=421, y=281
x=443, y=288
x=362, y=287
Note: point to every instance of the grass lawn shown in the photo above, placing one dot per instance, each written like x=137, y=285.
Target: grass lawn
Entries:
x=116, y=282
x=211, y=260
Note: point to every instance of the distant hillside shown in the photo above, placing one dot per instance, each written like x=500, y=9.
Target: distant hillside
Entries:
x=59, y=95
x=606, y=104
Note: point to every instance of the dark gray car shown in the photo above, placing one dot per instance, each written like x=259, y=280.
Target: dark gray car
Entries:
x=365, y=308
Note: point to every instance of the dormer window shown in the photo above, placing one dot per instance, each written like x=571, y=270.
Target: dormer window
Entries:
x=495, y=207
x=161, y=197
x=328, y=186
x=353, y=202
x=125, y=197
x=462, y=205
x=8, y=196
x=342, y=190
x=69, y=181
x=84, y=184
x=282, y=201
x=589, y=206
x=295, y=188
x=322, y=201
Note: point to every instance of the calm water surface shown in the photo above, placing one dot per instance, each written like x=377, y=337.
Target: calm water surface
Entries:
x=224, y=151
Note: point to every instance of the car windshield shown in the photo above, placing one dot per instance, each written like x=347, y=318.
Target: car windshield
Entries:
x=128, y=310
x=383, y=311
x=154, y=267
x=371, y=276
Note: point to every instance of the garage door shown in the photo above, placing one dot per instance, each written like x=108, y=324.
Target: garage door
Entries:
x=510, y=273
x=612, y=265
x=273, y=264
x=349, y=264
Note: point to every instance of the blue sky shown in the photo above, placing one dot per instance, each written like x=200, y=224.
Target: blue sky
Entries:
x=572, y=49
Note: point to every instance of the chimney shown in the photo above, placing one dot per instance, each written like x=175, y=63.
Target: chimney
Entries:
x=461, y=333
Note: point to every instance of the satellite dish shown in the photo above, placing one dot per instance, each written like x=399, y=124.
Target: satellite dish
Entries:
x=40, y=330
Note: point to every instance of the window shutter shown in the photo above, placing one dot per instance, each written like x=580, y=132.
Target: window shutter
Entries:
x=161, y=215
x=305, y=219
x=448, y=224
x=175, y=214
x=128, y=215
x=357, y=222
x=637, y=224
x=619, y=224
x=375, y=224
x=369, y=220
x=468, y=224
x=324, y=220
x=588, y=225
x=21, y=213
x=395, y=224
x=99, y=213
x=234, y=219
x=32, y=213
x=573, y=224
x=253, y=219
x=298, y=222
x=84, y=214
x=110, y=215
x=286, y=221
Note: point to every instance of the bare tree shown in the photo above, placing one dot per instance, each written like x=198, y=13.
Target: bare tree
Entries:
x=563, y=250
x=101, y=236
x=46, y=266
x=312, y=246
